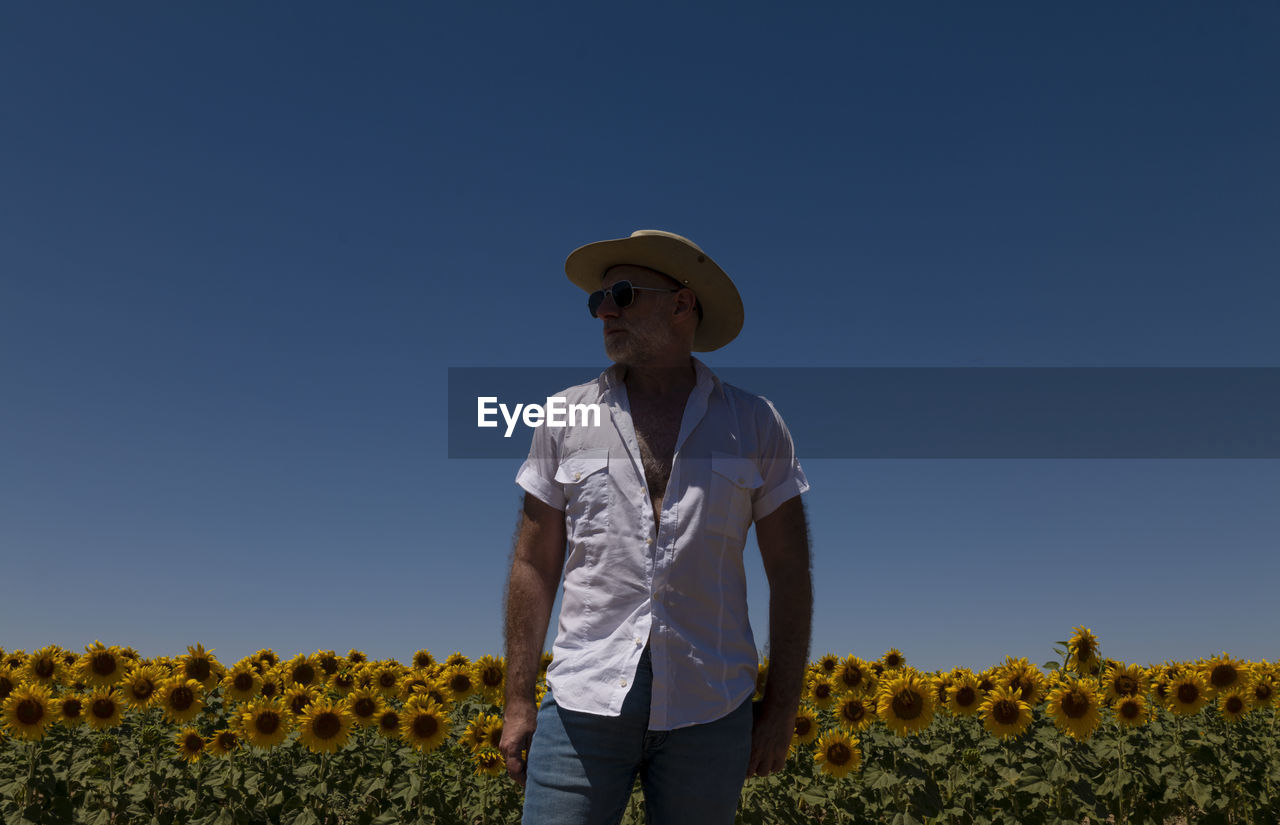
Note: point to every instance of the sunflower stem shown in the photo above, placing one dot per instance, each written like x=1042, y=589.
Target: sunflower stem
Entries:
x=28, y=792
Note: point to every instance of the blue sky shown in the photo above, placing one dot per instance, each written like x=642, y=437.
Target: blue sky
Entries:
x=240, y=247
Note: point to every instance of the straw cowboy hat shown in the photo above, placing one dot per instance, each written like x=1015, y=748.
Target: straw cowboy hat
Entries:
x=676, y=257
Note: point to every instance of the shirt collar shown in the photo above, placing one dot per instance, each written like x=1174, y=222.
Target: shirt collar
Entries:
x=706, y=381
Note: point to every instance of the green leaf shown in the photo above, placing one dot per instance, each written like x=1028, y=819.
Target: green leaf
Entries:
x=1050, y=665
x=1200, y=794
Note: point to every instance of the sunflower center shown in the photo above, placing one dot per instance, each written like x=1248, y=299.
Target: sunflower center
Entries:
x=267, y=722
x=853, y=711
x=425, y=725
x=329, y=664
x=965, y=696
x=1223, y=676
x=299, y=703
x=386, y=679
x=72, y=708
x=492, y=677
x=103, y=708
x=327, y=725
x=389, y=721
x=907, y=705
x=838, y=753
x=1075, y=705
x=44, y=668
x=1129, y=710
x=303, y=674
x=343, y=681
x=227, y=740
x=103, y=664
x=460, y=683
x=1188, y=693
x=198, y=669
x=181, y=698
x=1126, y=686
x=143, y=688
x=1005, y=712
x=803, y=725
x=29, y=712
x=193, y=743
x=243, y=681
x=364, y=707
x=1234, y=704
x=821, y=690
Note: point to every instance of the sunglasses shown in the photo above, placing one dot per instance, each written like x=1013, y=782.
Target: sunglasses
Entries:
x=623, y=292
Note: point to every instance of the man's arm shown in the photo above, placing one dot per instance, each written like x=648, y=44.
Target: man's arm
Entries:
x=783, y=536
x=531, y=591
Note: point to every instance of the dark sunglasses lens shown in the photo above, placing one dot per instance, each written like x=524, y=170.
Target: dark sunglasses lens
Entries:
x=622, y=294
x=594, y=300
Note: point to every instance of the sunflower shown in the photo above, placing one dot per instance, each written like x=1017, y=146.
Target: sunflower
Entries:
x=356, y=657
x=8, y=681
x=389, y=724
x=456, y=658
x=905, y=703
x=223, y=743
x=241, y=683
x=1005, y=713
x=828, y=662
x=102, y=666
x=181, y=699
x=965, y=696
x=272, y=684
x=1235, y=703
x=855, y=712
x=491, y=672
x=1132, y=711
x=489, y=761
x=762, y=678
x=806, y=728
x=1222, y=673
x=1076, y=707
x=853, y=673
x=15, y=660
x=28, y=711
x=1082, y=652
x=190, y=744
x=325, y=726
x=70, y=710
x=1025, y=678
x=459, y=681
x=386, y=677
x=415, y=681
x=140, y=685
x=330, y=662
x=1187, y=694
x=423, y=658
x=365, y=705
x=837, y=753
x=200, y=664
x=265, y=722
x=1264, y=689
x=423, y=724
x=820, y=690
x=265, y=659
x=343, y=682
x=302, y=670
x=298, y=698
x=105, y=709
x=45, y=666
x=1124, y=680
x=475, y=734
x=893, y=659
x=543, y=663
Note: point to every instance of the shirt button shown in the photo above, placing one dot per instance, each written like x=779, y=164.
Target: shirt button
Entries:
x=649, y=541
x=622, y=682
x=577, y=476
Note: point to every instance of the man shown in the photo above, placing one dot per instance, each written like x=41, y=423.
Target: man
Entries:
x=654, y=665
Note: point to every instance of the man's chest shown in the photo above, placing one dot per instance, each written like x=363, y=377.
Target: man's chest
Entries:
x=657, y=427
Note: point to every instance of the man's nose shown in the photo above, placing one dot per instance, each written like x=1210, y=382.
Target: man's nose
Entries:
x=607, y=308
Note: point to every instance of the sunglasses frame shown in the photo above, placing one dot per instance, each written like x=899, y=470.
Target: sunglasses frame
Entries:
x=610, y=291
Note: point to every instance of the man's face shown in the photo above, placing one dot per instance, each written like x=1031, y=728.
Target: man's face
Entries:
x=644, y=329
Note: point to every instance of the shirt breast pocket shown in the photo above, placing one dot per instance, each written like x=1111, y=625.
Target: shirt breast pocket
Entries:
x=584, y=477
x=734, y=480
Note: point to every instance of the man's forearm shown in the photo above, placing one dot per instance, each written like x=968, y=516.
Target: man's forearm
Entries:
x=790, y=616
x=529, y=600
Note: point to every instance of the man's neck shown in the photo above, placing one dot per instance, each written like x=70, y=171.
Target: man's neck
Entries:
x=661, y=380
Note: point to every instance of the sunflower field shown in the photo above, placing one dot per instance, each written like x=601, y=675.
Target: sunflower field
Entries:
x=107, y=736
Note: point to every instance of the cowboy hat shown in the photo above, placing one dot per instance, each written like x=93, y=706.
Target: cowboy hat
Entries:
x=676, y=257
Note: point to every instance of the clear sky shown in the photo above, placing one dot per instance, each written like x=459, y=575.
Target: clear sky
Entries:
x=241, y=244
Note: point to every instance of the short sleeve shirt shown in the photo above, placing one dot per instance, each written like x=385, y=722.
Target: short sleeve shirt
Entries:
x=679, y=585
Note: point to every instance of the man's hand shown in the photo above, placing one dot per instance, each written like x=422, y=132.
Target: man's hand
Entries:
x=518, y=723
x=771, y=735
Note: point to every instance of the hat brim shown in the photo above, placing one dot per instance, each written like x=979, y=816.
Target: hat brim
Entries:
x=722, y=311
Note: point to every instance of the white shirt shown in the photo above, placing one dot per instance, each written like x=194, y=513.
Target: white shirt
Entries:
x=681, y=587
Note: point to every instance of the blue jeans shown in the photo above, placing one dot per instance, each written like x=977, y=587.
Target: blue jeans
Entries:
x=582, y=766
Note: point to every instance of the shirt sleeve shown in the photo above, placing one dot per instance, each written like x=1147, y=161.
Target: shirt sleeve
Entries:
x=538, y=473
x=783, y=477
